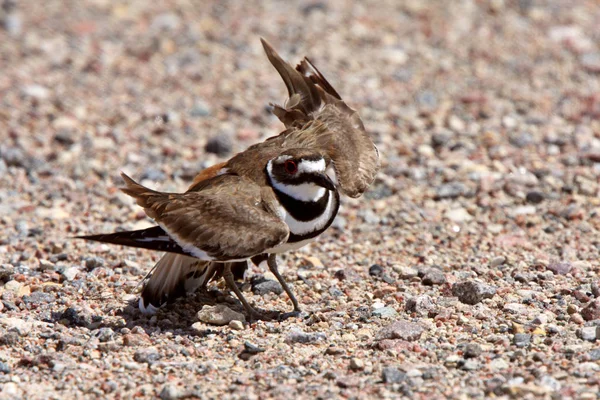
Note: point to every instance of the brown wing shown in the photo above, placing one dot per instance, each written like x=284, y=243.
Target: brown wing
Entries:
x=316, y=116
x=230, y=218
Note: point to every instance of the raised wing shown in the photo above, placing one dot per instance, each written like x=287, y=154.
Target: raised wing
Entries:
x=316, y=116
x=231, y=218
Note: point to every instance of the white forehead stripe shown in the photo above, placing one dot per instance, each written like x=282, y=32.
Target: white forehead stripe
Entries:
x=312, y=166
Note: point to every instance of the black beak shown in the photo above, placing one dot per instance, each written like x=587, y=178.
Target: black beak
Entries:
x=325, y=181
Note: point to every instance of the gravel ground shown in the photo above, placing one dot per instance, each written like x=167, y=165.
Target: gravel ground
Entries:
x=470, y=269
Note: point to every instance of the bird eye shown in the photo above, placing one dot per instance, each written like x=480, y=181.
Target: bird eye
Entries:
x=290, y=167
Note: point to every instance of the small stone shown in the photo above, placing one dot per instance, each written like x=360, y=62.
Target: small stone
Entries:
x=12, y=286
x=36, y=92
x=153, y=174
x=46, y=265
x=392, y=375
x=296, y=335
x=522, y=339
x=59, y=367
x=252, y=348
x=594, y=354
x=472, y=292
x=515, y=308
x=541, y=319
x=458, y=215
x=450, y=190
x=136, y=339
x=10, y=390
x=432, y=276
x=220, y=145
x=470, y=365
x=148, y=355
x=404, y=330
x=550, y=383
x=560, y=268
x=452, y=360
x=589, y=333
x=4, y=368
x=236, y=324
x=200, y=109
x=219, y=314
x=356, y=364
x=499, y=364
x=375, y=270
x=264, y=286
x=496, y=261
x=406, y=272
x=472, y=350
x=39, y=298
x=534, y=197
x=70, y=273
x=421, y=305
x=385, y=312
x=170, y=392
x=346, y=382
x=439, y=139
x=596, y=289
x=591, y=62
x=591, y=311
x=104, y=334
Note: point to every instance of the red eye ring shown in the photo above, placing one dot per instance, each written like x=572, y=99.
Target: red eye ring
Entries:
x=290, y=167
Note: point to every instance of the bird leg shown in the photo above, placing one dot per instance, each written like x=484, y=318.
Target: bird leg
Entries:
x=228, y=276
x=272, y=263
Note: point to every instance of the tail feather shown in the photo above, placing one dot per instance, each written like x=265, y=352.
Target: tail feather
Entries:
x=154, y=238
x=173, y=276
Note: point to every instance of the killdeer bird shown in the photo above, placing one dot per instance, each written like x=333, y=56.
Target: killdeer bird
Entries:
x=276, y=196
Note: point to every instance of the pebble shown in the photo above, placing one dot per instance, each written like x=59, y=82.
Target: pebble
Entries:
x=104, y=334
x=472, y=292
x=472, y=350
x=432, y=276
x=237, y=325
x=516, y=308
x=392, y=375
x=560, y=268
x=591, y=311
x=385, y=312
x=170, y=392
x=221, y=145
x=522, y=339
x=70, y=273
x=550, y=383
x=591, y=62
x=404, y=330
x=297, y=335
x=406, y=272
x=147, y=355
x=499, y=364
x=264, y=286
x=356, y=364
x=219, y=314
x=375, y=270
x=458, y=215
x=4, y=368
x=497, y=261
x=534, y=197
x=450, y=190
x=421, y=305
x=36, y=91
x=470, y=365
x=594, y=354
x=589, y=333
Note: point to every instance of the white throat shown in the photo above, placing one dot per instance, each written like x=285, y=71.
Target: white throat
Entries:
x=308, y=192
